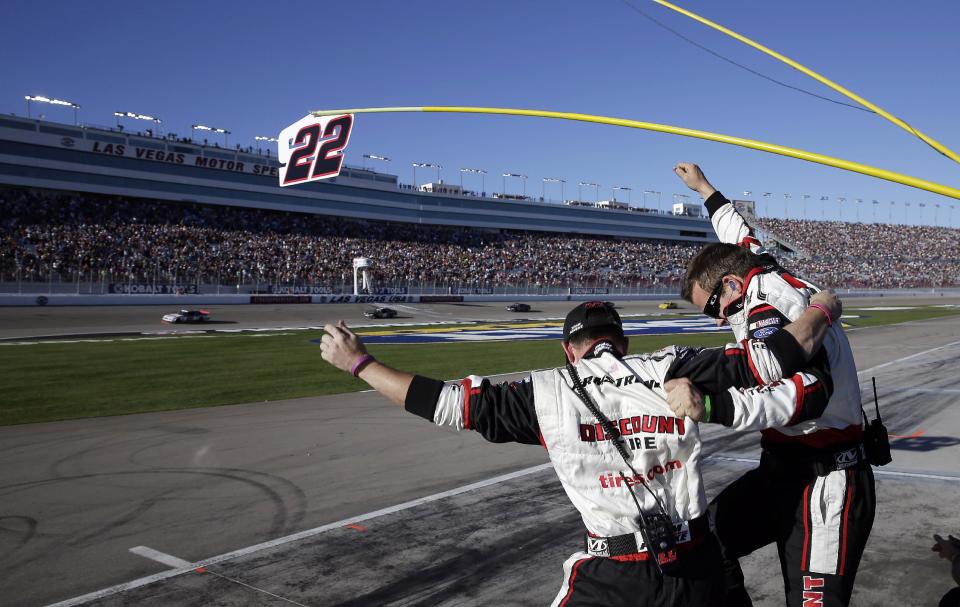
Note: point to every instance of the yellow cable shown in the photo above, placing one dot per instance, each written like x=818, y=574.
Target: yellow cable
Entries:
x=772, y=148
x=843, y=91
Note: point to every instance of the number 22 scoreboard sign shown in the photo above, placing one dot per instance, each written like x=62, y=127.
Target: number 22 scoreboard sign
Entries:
x=312, y=148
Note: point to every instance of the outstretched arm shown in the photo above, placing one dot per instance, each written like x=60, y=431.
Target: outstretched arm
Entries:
x=729, y=225
x=499, y=412
x=343, y=349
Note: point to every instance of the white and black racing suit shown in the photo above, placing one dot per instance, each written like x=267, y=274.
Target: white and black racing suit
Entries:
x=614, y=567
x=813, y=493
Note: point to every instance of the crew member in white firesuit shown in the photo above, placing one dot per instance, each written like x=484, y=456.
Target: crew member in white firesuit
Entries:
x=619, y=411
x=813, y=492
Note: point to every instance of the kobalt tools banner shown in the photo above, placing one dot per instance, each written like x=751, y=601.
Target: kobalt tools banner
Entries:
x=151, y=289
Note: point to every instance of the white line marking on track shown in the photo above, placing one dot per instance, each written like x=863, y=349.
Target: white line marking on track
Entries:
x=876, y=471
x=267, y=592
x=925, y=390
x=900, y=360
x=137, y=583
x=176, y=563
x=160, y=557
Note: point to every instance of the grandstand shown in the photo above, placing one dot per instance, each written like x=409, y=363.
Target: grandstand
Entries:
x=85, y=208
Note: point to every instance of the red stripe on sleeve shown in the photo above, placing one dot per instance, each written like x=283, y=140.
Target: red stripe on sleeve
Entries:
x=466, y=385
x=793, y=282
x=753, y=369
x=747, y=241
x=801, y=391
x=760, y=309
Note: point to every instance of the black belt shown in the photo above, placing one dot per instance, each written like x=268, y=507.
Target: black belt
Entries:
x=632, y=543
x=821, y=461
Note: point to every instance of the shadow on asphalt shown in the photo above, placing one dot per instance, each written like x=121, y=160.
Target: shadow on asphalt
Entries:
x=922, y=444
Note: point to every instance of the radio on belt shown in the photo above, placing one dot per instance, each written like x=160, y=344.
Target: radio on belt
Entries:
x=876, y=440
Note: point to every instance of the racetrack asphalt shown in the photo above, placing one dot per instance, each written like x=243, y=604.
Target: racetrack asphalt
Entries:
x=34, y=321
x=76, y=496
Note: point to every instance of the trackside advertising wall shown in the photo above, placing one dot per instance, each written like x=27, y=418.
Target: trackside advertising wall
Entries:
x=186, y=301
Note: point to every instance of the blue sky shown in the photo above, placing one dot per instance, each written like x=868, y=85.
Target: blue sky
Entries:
x=254, y=69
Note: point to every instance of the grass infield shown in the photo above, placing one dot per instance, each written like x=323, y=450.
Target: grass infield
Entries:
x=54, y=381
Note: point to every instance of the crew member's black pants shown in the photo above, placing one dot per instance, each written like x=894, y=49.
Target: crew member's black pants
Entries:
x=604, y=582
x=819, y=523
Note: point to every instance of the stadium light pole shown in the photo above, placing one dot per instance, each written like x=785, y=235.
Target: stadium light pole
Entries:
x=483, y=178
x=42, y=99
x=134, y=116
x=425, y=165
x=645, y=192
x=383, y=159
x=806, y=197
x=857, y=207
x=766, y=208
x=518, y=175
x=747, y=193
x=596, y=189
x=786, y=205
x=875, y=203
x=823, y=206
x=212, y=129
x=890, y=216
x=551, y=180
x=624, y=189
x=842, y=200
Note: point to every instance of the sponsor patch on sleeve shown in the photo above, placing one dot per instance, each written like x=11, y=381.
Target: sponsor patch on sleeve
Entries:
x=766, y=322
x=765, y=332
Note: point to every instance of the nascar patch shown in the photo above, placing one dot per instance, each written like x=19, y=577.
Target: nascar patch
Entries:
x=766, y=322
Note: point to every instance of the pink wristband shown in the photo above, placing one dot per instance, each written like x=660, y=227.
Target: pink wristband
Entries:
x=825, y=311
x=360, y=364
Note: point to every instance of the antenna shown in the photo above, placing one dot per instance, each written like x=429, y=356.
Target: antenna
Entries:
x=876, y=405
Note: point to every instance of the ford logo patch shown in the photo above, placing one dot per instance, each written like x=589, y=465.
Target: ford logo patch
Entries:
x=765, y=332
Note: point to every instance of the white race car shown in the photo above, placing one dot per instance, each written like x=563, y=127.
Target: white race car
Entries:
x=190, y=316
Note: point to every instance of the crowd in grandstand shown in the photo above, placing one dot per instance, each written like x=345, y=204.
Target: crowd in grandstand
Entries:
x=70, y=236
x=143, y=241
x=872, y=255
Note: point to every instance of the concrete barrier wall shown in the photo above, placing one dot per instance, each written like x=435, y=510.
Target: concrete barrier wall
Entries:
x=122, y=300
x=187, y=301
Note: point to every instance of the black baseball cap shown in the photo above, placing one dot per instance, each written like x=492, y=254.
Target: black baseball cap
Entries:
x=590, y=314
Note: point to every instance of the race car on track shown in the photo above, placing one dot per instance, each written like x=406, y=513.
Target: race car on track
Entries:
x=518, y=307
x=668, y=305
x=190, y=316
x=381, y=313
